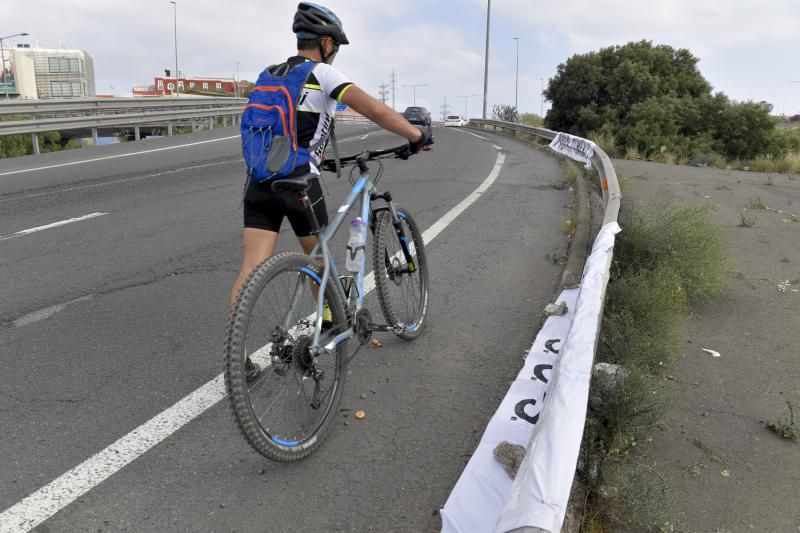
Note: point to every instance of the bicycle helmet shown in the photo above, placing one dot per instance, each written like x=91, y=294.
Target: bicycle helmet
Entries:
x=313, y=21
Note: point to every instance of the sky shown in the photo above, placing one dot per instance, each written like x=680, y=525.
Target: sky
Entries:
x=747, y=49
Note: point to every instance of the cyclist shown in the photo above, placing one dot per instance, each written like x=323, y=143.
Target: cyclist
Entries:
x=319, y=35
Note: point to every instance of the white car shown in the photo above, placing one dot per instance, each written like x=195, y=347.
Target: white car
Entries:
x=455, y=120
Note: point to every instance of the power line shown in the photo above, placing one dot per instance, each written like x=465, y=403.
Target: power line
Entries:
x=445, y=108
x=394, y=89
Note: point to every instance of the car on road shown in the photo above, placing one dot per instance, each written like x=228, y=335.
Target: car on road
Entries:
x=417, y=115
x=455, y=121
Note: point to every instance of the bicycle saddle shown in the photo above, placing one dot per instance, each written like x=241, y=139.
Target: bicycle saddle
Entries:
x=293, y=185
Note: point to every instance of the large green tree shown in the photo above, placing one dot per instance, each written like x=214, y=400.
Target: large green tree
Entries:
x=653, y=98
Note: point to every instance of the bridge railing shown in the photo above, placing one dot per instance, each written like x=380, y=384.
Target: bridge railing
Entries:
x=545, y=408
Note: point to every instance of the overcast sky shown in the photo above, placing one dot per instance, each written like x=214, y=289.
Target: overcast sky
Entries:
x=747, y=49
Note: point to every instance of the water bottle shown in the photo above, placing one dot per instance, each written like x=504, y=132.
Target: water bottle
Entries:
x=356, y=245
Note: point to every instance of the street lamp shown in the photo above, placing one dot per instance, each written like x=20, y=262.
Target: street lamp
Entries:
x=516, y=77
x=3, y=58
x=177, y=77
x=541, y=109
x=466, y=98
x=414, y=88
x=486, y=64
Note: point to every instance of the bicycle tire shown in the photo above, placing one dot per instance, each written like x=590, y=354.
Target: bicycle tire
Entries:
x=286, y=363
x=391, y=277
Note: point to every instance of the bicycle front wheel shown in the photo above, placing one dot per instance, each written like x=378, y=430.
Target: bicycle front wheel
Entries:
x=286, y=411
x=402, y=285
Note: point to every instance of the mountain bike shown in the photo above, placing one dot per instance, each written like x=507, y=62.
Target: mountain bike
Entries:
x=281, y=319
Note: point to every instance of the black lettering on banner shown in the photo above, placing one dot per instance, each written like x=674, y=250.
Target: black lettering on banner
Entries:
x=519, y=410
x=548, y=345
x=538, y=371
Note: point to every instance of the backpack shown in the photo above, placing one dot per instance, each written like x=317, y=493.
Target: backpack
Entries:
x=269, y=123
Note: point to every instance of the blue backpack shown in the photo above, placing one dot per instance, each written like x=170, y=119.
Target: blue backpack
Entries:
x=269, y=123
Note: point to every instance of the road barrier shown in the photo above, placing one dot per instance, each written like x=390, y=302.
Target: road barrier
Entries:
x=544, y=410
x=93, y=113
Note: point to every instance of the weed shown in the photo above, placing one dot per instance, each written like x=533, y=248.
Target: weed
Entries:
x=632, y=153
x=570, y=171
x=605, y=140
x=757, y=204
x=679, y=236
x=769, y=179
x=747, y=222
x=785, y=428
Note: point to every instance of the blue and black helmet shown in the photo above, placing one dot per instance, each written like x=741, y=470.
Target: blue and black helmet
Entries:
x=312, y=21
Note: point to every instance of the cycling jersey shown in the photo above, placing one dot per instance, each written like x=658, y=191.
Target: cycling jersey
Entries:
x=317, y=106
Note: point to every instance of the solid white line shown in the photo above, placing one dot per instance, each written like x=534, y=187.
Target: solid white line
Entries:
x=481, y=137
x=53, y=225
x=48, y=500
x=118, y=155
x=137, y=153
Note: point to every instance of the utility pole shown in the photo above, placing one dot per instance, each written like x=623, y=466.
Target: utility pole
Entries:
x=486, y=63
x=445, y=108
x=541, y=109
x=414, y=88
x=394, y=89
x=383, y=92
x=466, y=98
x=516, y=78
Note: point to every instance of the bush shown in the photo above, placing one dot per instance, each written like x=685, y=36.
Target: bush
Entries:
x=680, y=237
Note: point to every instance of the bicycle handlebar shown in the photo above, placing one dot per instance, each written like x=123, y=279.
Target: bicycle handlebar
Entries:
x=369, y=155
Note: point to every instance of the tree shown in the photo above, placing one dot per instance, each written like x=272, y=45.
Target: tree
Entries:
x=593, y=89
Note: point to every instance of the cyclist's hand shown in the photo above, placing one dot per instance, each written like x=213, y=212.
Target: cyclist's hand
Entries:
x=424, y=142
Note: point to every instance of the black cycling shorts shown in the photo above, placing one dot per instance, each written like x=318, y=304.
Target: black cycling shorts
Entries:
x=265, y=209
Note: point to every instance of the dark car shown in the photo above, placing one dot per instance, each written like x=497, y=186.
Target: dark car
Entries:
x=417, y=115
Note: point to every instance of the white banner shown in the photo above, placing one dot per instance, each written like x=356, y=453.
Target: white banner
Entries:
x=544, y=410
x=484, y=487
x=574, y=147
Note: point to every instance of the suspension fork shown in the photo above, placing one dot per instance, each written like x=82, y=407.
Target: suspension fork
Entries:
x=398, y=228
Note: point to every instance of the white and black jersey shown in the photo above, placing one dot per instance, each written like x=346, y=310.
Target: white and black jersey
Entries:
x=317, y=106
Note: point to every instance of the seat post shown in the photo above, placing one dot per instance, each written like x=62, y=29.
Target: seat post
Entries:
x=305, y=201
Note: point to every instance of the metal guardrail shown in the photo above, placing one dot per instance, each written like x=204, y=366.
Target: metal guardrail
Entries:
x=104, y=105
x=537, y=498
x=94, y=113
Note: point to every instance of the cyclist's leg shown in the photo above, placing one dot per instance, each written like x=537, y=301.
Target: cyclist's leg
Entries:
x=258, y=245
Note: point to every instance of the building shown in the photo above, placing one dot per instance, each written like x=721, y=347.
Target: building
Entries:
x=48, y=73
x=166, y=85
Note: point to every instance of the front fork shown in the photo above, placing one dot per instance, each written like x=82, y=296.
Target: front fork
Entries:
x=398, y=228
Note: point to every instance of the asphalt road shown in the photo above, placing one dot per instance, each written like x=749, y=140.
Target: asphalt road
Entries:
x=107, y=321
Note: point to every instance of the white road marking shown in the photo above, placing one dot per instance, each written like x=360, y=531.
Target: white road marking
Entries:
x=132, y=154
x=53, y=225
x=47, y=312
x=48, y=500
x=481, y=137
x=118, y=155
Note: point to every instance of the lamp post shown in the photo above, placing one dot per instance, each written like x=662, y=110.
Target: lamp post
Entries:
x=177, y=76
x=414, y=89
x=3, y=59
x=516, y=77
x=466, y=98
x=541, y=109
x=486, y=63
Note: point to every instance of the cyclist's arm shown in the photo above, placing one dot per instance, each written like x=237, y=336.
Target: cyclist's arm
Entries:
x=379, y=113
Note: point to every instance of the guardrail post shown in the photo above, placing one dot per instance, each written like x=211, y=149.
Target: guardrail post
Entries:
x=35, y=139
x=94, y=136
x=136, y=133
x=211, y=123
x=225, y=121
x=169, y=129
x=194, y=125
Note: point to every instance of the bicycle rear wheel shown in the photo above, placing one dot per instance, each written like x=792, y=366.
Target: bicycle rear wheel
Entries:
x=402, y=286
x=286, y=412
